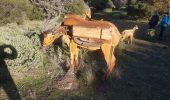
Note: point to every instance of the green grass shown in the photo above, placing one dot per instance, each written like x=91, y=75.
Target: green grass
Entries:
x=14, y=11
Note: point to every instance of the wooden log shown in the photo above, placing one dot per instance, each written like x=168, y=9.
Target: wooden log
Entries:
x=96, y=33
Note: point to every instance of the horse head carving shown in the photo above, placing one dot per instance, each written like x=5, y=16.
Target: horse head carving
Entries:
x=50, y=35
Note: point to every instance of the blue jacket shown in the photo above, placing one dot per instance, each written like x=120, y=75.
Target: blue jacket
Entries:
x=165, y=21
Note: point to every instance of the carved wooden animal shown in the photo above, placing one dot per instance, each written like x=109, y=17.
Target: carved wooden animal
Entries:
x=92, y=35
x=129, y=34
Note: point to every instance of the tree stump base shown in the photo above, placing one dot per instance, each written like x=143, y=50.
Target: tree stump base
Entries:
x=67, y=82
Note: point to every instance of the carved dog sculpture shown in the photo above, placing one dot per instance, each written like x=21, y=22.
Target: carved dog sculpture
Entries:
x=129, y=34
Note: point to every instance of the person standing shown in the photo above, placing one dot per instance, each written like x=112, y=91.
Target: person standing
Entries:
x=164, y=24
x=153, y=20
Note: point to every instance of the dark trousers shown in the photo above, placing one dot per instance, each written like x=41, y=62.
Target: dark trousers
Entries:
x=162, y=31
x=152, y=25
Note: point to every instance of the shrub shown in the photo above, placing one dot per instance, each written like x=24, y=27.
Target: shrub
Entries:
x=120, y=3
x=140, y=10
x=34, y=13
x=27, y=45
x=98, y=4
x=132, y=2
x=76, y=7
x=110, y=4
x=151, y=32
x=54, y=10
x=17, y=11
x=161, y=6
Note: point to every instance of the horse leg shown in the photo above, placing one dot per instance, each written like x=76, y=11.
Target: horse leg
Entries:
x=66, y=39
x=73, y=52
x=128, y=40
x=76, y=56
x=131, y=39
x=110, y=59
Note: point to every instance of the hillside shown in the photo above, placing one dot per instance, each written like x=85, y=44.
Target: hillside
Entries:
x=142, y=73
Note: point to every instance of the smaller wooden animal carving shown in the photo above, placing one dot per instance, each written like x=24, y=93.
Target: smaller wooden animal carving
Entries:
x=129, y=34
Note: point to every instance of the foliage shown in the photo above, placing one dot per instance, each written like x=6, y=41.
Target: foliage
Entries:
x=14, y=11
x=98, y=4
x=151, y=32
x=32, y=67
x=55, y=8
x=120, y=3
x=50, y=8
x=144, y=8
x=26, y=43
x=140, y=10
x=76, y=7
x=110, y=4
x=34, y=13
x=158, y=5
x=161, y=5
x=131, y=2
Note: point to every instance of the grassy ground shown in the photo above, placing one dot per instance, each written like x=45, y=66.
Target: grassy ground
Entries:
x=144, y=66
x=142, y=73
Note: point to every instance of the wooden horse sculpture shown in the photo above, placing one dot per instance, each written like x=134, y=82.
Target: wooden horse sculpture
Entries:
x=93, y=35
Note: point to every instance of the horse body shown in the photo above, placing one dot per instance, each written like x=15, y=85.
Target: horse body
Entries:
x=107, y=46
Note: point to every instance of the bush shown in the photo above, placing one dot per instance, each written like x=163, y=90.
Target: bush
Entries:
x=34, y=13
x=141, y=10
x=120, y=3
x=26, y=43
x=76, y=7
x=161, y=6
x=17, y=11
x=132, y=2
x=151, y=32
x=98, y=4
